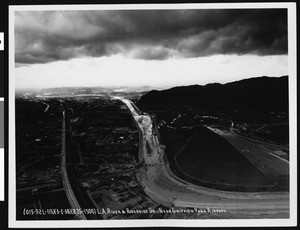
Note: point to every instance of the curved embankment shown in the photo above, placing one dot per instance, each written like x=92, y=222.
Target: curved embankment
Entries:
x=164, y=187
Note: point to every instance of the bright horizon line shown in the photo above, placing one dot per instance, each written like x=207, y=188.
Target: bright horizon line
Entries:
x=138, y=86
x=118, y=71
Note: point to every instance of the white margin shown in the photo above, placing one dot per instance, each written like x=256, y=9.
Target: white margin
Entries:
x=11, y=124
x=292, y=221
x=292, y=63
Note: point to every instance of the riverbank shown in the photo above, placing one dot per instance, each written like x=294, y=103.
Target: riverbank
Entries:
x=164, y=187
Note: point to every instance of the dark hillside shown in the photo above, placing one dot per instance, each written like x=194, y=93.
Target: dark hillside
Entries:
x=263, y=93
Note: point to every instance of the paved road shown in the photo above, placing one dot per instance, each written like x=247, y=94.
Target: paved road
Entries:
x=66, y=183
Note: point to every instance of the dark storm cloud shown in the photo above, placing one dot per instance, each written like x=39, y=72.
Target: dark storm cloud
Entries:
x=42, y=37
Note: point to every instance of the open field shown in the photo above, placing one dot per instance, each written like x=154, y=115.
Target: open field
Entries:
x=260, y=156
x=203, y=157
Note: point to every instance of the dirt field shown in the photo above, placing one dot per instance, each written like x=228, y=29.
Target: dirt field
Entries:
x=258, y=155
x=208, y=158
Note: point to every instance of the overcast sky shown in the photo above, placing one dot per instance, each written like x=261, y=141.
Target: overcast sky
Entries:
x=148, y=47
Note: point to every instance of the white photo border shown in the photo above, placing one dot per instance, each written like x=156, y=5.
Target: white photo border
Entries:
x=292, y=48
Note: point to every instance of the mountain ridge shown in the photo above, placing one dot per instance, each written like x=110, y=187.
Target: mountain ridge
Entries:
x=258, y=92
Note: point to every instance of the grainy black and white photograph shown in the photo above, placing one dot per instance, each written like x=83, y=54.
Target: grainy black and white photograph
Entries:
x=146, y=114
